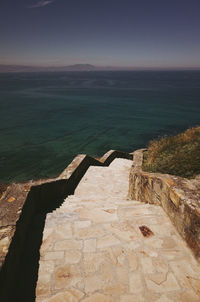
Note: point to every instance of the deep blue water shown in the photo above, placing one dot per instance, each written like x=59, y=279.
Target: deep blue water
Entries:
x=48, y=118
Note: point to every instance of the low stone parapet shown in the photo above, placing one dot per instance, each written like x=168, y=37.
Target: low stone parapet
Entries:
x=179, y=197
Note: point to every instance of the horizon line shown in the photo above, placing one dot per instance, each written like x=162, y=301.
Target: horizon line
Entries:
x=97, y=67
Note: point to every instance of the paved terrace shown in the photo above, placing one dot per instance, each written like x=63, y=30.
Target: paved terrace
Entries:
x=101, y=247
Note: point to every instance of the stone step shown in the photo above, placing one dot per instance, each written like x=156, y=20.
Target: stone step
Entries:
x=101, y=246
x=105, y=182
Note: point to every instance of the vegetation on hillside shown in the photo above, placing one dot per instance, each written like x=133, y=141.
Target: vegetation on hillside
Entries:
x=178, y=155
x=3, y=188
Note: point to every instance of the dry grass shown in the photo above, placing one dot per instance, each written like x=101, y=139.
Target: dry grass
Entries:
x=177, y=155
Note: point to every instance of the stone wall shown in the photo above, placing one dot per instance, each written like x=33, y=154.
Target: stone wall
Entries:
x=23, y=209
x=179, y=197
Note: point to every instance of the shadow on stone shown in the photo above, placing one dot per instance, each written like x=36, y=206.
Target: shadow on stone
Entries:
x=18, y=276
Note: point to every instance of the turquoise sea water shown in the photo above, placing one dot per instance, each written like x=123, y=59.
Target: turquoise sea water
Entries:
x=48, y=118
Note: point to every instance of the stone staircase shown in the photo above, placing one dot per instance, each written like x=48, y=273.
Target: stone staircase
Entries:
x=99, y=246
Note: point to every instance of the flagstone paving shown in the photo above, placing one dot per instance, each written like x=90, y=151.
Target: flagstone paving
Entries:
x=94, y=251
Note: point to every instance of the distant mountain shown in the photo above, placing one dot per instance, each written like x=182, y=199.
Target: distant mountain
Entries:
x=80, y=67
x=21, y=68
x=16, y=68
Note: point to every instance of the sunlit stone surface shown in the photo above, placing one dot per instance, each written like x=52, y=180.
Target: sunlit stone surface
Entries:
x=94, y=251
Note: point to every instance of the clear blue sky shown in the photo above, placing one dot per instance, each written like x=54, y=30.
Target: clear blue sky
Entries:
x=137, y=33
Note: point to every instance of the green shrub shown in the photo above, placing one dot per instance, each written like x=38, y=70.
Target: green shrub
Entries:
x=178, y=155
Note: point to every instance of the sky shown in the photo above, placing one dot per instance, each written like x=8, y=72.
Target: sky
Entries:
x=121, y=33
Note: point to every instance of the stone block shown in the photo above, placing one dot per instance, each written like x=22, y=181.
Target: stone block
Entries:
x=135, y=283
x=133, y=298
x=169, y=285
x=193, y=243
x=67, y=276
x=107, y=241
x=82, y=224
x=115, y=289
x=175, y=197
x=72, y=256
x=54, y=255
x=68, y=245
x=71, y=295
x=90, y=232
x=133, y=261
x=107, y=272
x=92, y=262
x=43, y=284
x=89, y=245
x=92, y=284
x=99, y=298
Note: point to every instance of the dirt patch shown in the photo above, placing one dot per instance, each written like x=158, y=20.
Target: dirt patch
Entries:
x=146, y=232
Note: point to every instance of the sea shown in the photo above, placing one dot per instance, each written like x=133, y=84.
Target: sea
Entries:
x=46, y=119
